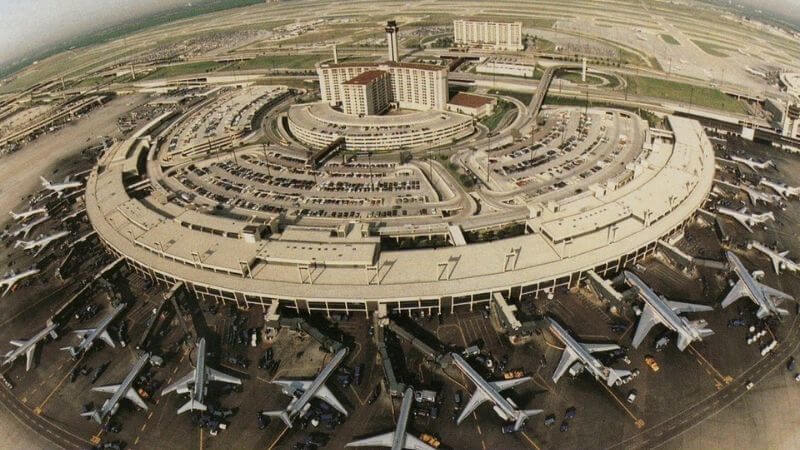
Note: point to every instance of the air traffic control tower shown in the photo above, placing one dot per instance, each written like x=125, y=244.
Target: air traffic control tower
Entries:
x=391, y=40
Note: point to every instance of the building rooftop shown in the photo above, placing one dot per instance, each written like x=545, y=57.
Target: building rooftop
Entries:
x=470, y=100
x=366, y=78
x=386, y=64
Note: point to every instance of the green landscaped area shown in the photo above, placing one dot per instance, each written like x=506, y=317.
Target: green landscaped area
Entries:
x=575, y=77
x=713, y=49
x=669, y=39
x=500, y=111
x=300, y=61
x=182, y=69
x=684, y=93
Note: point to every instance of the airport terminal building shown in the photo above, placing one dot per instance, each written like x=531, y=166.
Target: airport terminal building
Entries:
x=257, y=258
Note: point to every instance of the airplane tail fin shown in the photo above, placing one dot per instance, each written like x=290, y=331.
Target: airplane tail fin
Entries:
x=524, y=416
x=94, y=414
x=782, y=311
x=700, y=326
x=192, y=405
x=282, y=414
x=616, y=375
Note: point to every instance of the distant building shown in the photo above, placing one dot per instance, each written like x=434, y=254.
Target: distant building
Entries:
x=791, y=110
x=496, y=67
x=366, y=93
x=391, y=39
x=472, y=105
x=494, y=35
x=413, y=86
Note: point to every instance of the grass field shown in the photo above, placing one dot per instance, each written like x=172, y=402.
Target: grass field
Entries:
x=713, y=49
x=300, y=61
x=683, y=93
x=182, y=69
x=669, y=39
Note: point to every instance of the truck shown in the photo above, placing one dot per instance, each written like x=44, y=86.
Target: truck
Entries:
x=430, y=440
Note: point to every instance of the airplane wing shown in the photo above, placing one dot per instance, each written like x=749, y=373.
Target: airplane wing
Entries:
x=215, y=375
x=323, y=393
x=108, y=389
x=567, y=358
x=476, y=400
x=381, y=440
x=134, y=397
x=775, y=264
x=180, y=384
x=16, y=343
x=594, y=348
x=29, y=357
x=683, y=341
x=107, y=338
x=680, y=307
x=646, y=321
x=502, y=385
x=778, y=296
x=295, y=384
x=738, y=291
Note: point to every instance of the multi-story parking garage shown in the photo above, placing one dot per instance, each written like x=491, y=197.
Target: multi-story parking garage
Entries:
x=258, y=226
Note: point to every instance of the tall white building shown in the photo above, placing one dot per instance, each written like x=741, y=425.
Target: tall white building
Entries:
x=412, y=86
x=494, y=35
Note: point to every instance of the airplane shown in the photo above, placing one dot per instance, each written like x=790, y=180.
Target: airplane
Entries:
x=765, y=297
x=756, y=196
x=12, y=278
x=88, y=336
x=118, y=391
x=59, y=188
x=784, y=190
x=779, y=259
x=198, y=378
x=315, y=388
x=490, y=390
x=24, y=230
x=398, y=439
x=658, y=309
x=28, y=347
x=754, y=165
x=744, y=218
x=581, y=352
x=42, y=242
x=28, y=213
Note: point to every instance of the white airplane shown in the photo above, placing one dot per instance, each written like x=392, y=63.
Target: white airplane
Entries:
x=658, y=309
x=25, y=229
x=490, y=390
x=758, y=196
x=315, y=388
x=88, y=336
x=744, y=218
x=28, y=213
x=12, y=278
x=581, y=353
x=28, y=347
x=194, y=383
x=59, y=188
x=779, y=259
x=118, y=391
x=754, y=165
x=42, y=242
x=398, y=439
x=765, y=297
x=784, y=190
